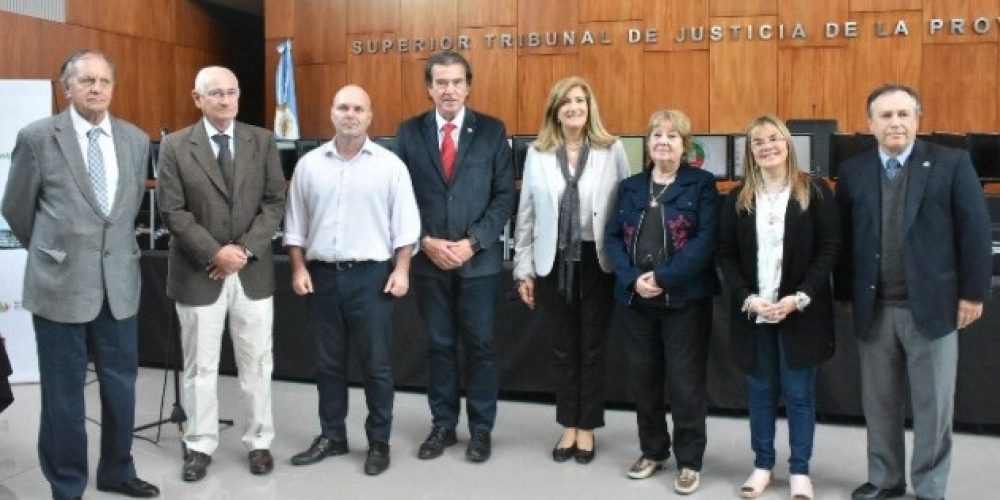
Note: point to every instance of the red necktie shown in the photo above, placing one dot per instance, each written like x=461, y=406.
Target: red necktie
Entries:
x=448, y=151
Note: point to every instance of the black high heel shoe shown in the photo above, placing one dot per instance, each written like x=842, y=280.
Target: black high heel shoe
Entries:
x=563, y=454
x=585, y=456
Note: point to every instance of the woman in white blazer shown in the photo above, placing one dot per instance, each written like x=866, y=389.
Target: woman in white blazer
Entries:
x=571, y=178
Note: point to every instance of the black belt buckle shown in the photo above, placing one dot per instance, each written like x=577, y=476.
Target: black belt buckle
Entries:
x=344, y=265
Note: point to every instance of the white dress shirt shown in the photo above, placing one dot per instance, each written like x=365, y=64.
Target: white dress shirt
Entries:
x=106, y=141
x=212, y=131
x=348, y=210
x=769, y=211
x=456, y=132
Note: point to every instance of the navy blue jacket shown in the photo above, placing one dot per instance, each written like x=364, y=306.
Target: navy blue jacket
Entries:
x=690, y=218
x=479, y=199
x=946, y=231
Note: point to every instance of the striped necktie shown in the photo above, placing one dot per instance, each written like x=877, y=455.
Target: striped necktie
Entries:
x=892, y=168
x=95, y=168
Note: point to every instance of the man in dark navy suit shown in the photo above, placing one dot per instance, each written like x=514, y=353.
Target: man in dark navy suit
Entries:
x=460, y=164
x=916, y=266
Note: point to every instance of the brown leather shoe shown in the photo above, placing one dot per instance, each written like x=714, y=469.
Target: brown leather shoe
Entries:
x=261, y=462
x=195, y=466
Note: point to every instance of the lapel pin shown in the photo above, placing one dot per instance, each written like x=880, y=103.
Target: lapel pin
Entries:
x=469, y=130
x=926, y=164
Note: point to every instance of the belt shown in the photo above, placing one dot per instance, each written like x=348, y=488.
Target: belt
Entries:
x=342, y=265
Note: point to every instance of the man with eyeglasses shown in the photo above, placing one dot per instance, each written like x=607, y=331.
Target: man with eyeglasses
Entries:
x=221, y=191
x=460, y=163
x=73, y=191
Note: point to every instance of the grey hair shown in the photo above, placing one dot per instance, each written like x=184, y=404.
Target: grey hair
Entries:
x=68, y=68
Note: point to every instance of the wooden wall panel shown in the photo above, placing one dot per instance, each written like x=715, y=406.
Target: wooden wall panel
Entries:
x=676, y=80
x=959, y=96
x=414, y=98
x=603, y=10
x=744, y=8
x=195, y=26
x=813, y=16
x=379, y=75
x=321, y=31
x=35, y=56
x=966, y=10
x=743, y=79
x=494, y=83
x=668, y=17
x=480, y=13
x=426, y=19
x=805, y=88
x=552, y=15
x=875, y=61
x=535, y=76
x=321, y=82
x=129, y=17
x=885, y=5
x=605, y=66
x=279, y=18
x=372, y=16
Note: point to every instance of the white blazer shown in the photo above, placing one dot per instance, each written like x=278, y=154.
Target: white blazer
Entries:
x=536, y=234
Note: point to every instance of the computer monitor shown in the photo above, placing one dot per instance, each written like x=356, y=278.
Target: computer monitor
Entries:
x=821, y=130
x=710, y=152
x=303, y=146
x=289, y=156
x=985, y=152
x=842, y=148
x=519, y=144
x=950, y=139
x=387, y=142
x=635, y=150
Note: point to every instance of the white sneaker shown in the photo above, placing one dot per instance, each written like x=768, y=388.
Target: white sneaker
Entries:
x=755, y=485
x=643, y=468
x=801, y=486
x=687, y=481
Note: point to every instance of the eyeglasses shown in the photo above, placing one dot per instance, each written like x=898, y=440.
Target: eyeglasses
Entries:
x=89, y=81
x=220, y=93
x=763, y=143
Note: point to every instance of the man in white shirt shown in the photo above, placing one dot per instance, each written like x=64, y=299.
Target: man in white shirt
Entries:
x=351, y=226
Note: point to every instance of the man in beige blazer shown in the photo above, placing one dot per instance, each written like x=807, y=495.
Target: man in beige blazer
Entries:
x=222, y=194
x=73, y=191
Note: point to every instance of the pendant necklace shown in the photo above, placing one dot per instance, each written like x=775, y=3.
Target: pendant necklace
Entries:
x=654, y=200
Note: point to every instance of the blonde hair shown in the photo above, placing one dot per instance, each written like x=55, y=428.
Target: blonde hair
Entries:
x=550, y=135
x=753, y=180
x=681, y=123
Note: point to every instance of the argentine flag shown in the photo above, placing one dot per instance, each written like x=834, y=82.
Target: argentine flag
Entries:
x=286, y=115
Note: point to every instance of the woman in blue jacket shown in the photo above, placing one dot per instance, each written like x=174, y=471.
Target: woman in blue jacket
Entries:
x=661, y=242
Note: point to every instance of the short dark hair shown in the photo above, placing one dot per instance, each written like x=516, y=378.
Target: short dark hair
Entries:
x=446, y=58
x=889, y=88
x=68, y=68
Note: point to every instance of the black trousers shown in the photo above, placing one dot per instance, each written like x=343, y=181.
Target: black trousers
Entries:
x=668, y=349
x=578, y=330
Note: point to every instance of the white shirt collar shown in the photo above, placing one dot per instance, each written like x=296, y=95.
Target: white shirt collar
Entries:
x=82, y=126
x=211, y=130
x=458, y=121
x=901, y=157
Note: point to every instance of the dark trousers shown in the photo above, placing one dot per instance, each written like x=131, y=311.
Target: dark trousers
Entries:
x=62, y=365
x=771, y=378
x=668, y=349
x=578, y=331
x=349, y=306
x=454, y=307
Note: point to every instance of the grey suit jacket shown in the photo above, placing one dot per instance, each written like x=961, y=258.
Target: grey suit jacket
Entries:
x=76, y=255
x=202, y=215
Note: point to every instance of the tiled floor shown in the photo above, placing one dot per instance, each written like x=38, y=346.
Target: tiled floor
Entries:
x=520, y=467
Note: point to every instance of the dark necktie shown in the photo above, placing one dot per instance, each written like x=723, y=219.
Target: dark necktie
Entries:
x=225, y=159
x=95, y=168
x=892, y=167
x=448, y=151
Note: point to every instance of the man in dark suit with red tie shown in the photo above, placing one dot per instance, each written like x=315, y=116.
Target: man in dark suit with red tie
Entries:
x=460, y=164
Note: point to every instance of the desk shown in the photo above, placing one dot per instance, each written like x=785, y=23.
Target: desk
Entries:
x=524, y=361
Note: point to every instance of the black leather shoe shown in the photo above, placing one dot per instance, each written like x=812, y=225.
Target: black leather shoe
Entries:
x=261, y=462
x=378, y=458
x=563, y=454
x=585, y=456
x=869, y=491
x=478, y=450
x=439, y=439
x=320, y=448
x=136, y=488
x=195, y=466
